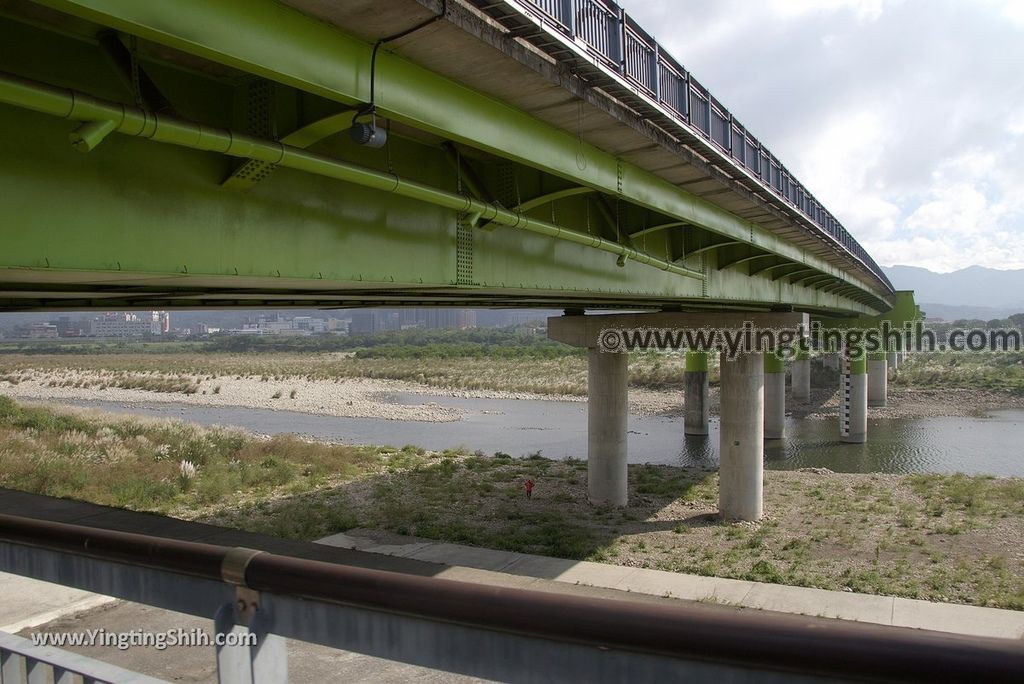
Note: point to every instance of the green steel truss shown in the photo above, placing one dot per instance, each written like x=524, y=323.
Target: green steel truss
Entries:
x=217, y=172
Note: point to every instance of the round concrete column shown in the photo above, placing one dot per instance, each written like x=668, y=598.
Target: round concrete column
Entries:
x=853, y=401
x=741, y=445
x=893, y=359
x=774, y=397
x=801, y=373
x=878, y=379
x=695, y=394
x=607, y=408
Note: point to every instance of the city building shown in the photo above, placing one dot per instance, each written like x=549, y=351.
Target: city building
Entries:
x=126, y=324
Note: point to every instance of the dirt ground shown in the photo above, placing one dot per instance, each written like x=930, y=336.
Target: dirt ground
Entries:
x=941, y=538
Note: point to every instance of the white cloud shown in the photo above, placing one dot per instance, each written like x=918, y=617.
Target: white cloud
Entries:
x=1013, y=10
x=906, y=118
x=862, y=10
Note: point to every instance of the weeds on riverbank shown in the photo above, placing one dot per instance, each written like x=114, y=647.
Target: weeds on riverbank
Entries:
x=1001, y=371
x=137, y=463
x=948, y=538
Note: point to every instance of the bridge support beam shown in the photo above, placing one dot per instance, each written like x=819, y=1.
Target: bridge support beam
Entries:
x=878, y=380
x=774, y=397
x=695, y=394
x=607, y=410
x=801, y=374
x=853, y=400
x=741, y=440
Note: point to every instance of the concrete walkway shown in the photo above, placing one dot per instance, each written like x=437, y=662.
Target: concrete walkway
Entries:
x=29, y=603
x=884, y=610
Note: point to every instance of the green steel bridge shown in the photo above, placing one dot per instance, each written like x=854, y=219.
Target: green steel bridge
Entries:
x=542, y=153
x=510, y=153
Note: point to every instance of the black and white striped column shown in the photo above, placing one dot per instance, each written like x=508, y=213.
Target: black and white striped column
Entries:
x=853, y=399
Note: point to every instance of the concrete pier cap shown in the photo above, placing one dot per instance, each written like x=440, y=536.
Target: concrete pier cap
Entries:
x=741, y=438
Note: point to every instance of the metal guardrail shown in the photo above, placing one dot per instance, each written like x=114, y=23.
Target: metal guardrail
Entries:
x=493, y=632
x=611, y=38
x=23, y=662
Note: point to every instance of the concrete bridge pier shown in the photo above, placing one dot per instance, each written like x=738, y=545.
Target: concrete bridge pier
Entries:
x=695, y=394
x=774, y=396
x=801, y=374
x=853, y=400
x=741, y=439
x=878, y=379
x=607, y=410
x=741, y=445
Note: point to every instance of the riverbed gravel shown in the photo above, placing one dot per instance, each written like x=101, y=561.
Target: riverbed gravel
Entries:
x=379, y=398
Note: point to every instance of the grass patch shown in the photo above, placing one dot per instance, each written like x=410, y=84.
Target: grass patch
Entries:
x=136, y=464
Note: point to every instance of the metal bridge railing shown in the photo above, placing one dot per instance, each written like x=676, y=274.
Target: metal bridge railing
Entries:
x=603, y=30
x=23, y=662
x=498, y=633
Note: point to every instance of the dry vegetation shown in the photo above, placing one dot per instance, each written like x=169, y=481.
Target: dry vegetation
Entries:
x=949, y=538
x=565, y=375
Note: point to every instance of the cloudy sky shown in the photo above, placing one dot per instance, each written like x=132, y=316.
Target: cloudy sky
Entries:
x=904, y=117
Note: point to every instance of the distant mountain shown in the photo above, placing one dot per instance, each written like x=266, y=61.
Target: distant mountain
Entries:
x=972, y=292
x=959, y=313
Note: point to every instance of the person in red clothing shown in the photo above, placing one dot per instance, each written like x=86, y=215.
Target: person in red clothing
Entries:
x=529, y=488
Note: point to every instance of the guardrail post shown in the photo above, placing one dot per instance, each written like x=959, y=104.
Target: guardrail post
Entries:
x=12, y=667
x=620, y=37
x=656, y=76
x=265, y=660
x=568, y=16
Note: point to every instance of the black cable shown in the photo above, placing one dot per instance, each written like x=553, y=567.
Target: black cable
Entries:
x=388, y=39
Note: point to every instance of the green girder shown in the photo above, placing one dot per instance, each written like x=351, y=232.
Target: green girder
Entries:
x=265, y=38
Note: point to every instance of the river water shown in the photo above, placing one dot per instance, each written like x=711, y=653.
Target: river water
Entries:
x=992, y=445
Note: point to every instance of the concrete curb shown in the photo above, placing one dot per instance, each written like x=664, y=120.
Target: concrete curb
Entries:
x=466, y=562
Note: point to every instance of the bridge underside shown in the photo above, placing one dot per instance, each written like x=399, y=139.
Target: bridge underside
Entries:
x=157, y=218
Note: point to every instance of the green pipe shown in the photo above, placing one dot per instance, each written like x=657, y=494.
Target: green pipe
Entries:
x=136, y=122
x=90, y=134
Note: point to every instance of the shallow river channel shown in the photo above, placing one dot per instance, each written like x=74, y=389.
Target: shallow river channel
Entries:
x=993, y=444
